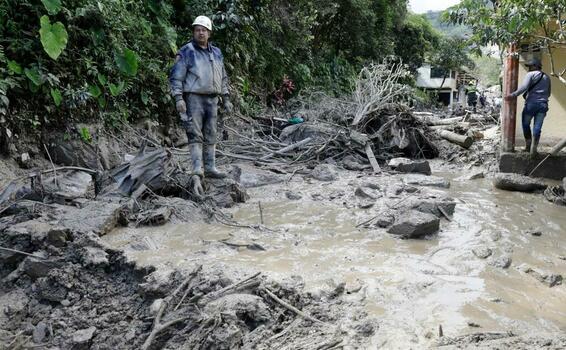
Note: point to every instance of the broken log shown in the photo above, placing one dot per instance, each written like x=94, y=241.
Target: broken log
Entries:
x=462, y=140
x=288, y=148
x=462, y=125
x=372, y=160
x=437, y=121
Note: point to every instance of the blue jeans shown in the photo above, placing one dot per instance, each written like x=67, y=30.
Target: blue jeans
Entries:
x=536, y=110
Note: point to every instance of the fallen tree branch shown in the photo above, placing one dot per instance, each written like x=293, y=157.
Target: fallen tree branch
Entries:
x=291, y=307
x=157, y=325
x=288, y=148
x=23, y=253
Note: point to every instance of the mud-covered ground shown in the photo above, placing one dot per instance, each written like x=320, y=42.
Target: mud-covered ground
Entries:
x=313, y=260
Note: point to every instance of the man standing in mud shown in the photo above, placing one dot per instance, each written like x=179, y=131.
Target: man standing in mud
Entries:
x=198, y=79
x=536, y=91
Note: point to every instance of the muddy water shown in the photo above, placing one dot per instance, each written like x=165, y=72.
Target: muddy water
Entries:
x=411, y=286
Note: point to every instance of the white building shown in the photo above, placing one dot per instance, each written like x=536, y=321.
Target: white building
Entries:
x=431, y=78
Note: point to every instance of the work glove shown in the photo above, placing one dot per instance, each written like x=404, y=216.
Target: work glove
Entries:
x=181, y=106
x=228, y=106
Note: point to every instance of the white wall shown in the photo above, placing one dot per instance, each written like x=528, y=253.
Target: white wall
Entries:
x=425, y=81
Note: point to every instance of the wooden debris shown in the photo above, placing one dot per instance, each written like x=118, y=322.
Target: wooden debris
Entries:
x=462, y=140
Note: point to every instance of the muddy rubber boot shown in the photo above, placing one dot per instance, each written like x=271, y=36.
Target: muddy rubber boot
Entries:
x=534, y=147
x=196, y=159
x=210, y=163
x=528, y=145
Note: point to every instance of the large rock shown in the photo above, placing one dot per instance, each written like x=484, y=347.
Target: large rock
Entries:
x=434, y=206
x=324, y=172
x=428, y=181
x=72, y=152
x=70, y=185
x=414, y=224
x=547, y=278
x=97, y=216
x=406, y=165
x=82, y=338
x=36, y=268
x=516, y=182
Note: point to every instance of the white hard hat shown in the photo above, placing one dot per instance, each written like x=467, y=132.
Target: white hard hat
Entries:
x=203, y=21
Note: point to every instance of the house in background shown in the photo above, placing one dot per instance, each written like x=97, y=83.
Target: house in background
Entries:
x=451, y=91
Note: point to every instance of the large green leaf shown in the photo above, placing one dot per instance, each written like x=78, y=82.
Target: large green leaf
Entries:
x=52, y=6
x=57, y=97
x=53, y=37
x=15, y=67
x=116, y=90
x=94, y=91
x=127, y=62
x=34, y=76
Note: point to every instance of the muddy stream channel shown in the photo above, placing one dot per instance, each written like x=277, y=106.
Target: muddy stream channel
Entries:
x=459, y=278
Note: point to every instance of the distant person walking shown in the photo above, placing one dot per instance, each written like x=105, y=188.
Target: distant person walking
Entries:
x=536, y=89
x=472, y=94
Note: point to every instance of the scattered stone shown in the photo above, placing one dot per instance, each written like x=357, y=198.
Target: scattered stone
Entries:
x=65, y=303
x=351, y=163
x=354, y=287
x=562, y=257
x=473, y=324
x=533, y=232
x=364, y=192
x=82, y=338
x=434, y=206
x=58, y=237
x=40, y=332
x=502, y=262
x=482, y=252
x=428, y=181
x=406, y=165
x=36, y=268
x=324, y=172
x=24, y=160
x=414, y=224
x=156, y=217
x=95, y=256
x=547, y=278
x=385, y=220
x=516, y=182
x=155, y=306
x=293, y=196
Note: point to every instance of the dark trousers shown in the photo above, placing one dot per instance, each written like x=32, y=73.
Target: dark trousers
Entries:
x=202, y=111
x=536, y=111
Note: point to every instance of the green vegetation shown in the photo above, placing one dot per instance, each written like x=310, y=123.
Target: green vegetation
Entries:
x=487, y=69
x=503, y=22
x=448, y=29
x=108, y=60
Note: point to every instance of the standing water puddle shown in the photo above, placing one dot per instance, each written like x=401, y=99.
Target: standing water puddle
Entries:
x=411, y=286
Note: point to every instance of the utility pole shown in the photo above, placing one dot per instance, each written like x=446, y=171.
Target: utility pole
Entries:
x=509, y=108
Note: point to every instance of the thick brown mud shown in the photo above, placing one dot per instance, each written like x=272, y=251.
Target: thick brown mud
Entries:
x=470, y=277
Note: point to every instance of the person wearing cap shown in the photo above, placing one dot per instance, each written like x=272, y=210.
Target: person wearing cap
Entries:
x=536, y=89
x=197, y=80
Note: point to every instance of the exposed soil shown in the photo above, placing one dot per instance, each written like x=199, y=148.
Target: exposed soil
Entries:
x=219, y=278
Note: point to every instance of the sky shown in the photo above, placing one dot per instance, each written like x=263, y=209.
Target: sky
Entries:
x=422, y=6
